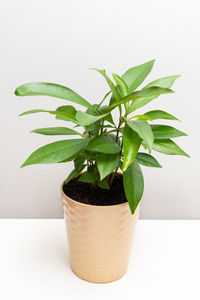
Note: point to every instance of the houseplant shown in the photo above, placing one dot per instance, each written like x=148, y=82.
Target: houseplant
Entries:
x=100, y=221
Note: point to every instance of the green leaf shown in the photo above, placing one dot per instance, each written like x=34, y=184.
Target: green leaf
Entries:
x=109, y=81
x=133, y=185
x=106, y=163
x=56, y=131
x=169, y=147
x=160, y=114
x=121, y=84
x=105, y=110
x=165, y=82
x=140, y=97
x=147, y=160
x=143, y=117
x=153, y=94
x=103, y=144
x=166, y=132
x=85, y=119
x=121, y=87
x=131, y=145
x=71, y=176
x=53, y=90
x=89, y=177
x=69, y=113
x=79, y=162
x=143, y=129
x=62, y=115
x=136, y=75
x=55, y=152
x=103, y=184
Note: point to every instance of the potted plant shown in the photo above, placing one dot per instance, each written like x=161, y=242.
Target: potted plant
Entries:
x=101, y=196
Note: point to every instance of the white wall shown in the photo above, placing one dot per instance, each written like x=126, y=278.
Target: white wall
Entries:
x=57, y=41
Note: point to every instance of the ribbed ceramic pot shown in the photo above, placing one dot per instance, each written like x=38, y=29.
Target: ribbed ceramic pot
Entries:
x=99, y=239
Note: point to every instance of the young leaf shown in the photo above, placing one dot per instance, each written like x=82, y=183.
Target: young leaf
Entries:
x=121, y=84
x=110, y=83
x=147, y=160
x=169, y=147
x=131, y=145
x=160, y=114
x=106, y=163
x=53, y=90
x=71, y=176
x=56, y=131
x=143, y=129
x=55, y=152
x=166, y=132
x=122, y=88
x=85, y=119
x=103, y=144
x=165, y=82
x=136, y=75
x=133, y=185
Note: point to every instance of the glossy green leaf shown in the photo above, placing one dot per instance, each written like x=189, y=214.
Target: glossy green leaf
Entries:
x=143, y=117
x=160, y=114
x=110, y=83
x=105, y=110
x=103, y=184
x=166, y=132
x=147, y=160
x=53, y=90
x=79, y=162
x=56, y=131
x=131, y=145
x=139, y=97
x=165, y=82
x=61, y=114
x=121, y=84
x=85, y=119
x=55, y=152
x=103, y=144
x=122, y=88
x=89, y=177
x=69, y=113
x=136, y=75
x=169, y=147
x=71, y=176
x=133, y=185
x=106, y=163
x=143, y=129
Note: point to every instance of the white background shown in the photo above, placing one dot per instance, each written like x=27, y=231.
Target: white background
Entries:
x=57, y=41
x=39, y=266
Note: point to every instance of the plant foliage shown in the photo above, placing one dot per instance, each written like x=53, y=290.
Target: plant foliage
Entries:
x=103, y=147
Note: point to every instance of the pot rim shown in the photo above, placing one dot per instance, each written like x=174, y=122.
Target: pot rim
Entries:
x=92, y=205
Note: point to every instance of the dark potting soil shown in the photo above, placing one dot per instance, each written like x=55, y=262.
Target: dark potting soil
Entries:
x=84, y=193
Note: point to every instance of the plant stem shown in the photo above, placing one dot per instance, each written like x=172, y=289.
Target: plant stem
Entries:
x=118, y=128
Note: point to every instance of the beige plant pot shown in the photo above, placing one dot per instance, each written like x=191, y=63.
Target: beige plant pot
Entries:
x=99, y=239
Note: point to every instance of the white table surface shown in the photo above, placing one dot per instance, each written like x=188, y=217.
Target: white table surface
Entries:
x=164, y=264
